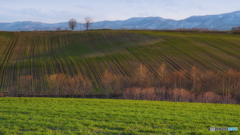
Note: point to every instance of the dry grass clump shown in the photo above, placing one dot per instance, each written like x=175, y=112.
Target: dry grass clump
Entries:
x=110, y=82
x=139, y=94
x=60, y=84
x=180, y=95
x=209, y=97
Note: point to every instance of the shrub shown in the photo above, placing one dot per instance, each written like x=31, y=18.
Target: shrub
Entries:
x=161, y=93
x=180, y=95
x=209, y=97
x=148, y=94
x=132, y=93
x=228, y=99
x=207, y=81
x=139, y=94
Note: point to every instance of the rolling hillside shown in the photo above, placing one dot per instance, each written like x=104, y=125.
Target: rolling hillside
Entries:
x=34, y=55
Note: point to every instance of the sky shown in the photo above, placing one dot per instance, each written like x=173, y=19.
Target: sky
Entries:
x=54, y=11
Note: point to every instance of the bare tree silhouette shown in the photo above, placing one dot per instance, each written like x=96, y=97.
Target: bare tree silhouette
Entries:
x=88, y=22
x=72, y=24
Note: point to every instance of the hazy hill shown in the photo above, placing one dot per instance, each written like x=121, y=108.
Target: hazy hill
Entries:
x=220, y=22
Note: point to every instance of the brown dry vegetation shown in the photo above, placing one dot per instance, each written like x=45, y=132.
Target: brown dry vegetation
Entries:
x=61, y=84
x=181, y=86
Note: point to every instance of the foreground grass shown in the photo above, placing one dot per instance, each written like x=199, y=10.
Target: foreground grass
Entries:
x=97, y=116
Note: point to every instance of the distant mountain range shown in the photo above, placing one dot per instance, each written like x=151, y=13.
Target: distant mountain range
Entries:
x=221, y=22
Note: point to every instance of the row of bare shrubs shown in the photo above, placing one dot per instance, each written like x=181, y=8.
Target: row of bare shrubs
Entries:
x=56, y=85
x=192, y=85
x=185, y=86
x=177, y=95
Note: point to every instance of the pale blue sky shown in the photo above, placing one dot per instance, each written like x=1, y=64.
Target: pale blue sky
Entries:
x=53, y=11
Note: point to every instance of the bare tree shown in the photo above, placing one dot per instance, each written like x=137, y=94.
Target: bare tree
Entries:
x=72, y=23
x=88, y=22
x=58, y=29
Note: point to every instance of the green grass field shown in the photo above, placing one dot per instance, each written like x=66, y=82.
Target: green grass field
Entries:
x=97, y=116
x=90, y=53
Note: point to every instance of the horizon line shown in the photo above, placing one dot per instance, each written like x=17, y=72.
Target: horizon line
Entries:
x=130, y=18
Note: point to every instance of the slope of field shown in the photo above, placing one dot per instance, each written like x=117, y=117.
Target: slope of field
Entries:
x=90, y=53
x=96, y=116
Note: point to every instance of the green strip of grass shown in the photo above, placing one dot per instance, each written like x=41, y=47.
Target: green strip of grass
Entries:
x=97, y=116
